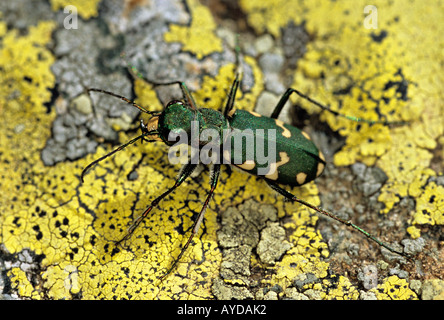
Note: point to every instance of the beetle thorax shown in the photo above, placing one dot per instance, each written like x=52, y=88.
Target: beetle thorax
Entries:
x=179, y=119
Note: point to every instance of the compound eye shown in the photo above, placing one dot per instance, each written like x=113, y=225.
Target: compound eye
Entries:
x=174, y=102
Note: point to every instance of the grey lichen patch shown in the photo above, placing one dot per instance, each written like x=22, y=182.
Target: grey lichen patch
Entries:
x=248, y=228
x=294, y=294
x=433, y=289
x=223, y=291
x=241, y=225
x=369, y=179
x=413, y=246
x=272, y=244
x=303, y=279
x=239, y=236
x=236, y=262
x=236, y=231
x=86, y=59
x=97, y=55
x=83, y=104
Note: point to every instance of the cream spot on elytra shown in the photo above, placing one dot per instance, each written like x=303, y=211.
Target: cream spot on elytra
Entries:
x=286, y=133
x=247, y=165
x=273, y=172
x=301, y=177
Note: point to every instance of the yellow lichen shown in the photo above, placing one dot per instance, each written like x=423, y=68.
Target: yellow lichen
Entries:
x=341, y=289
x=394, y=288
x=199, y=37
x=26, y=88
x=430, y=206
x=304, y=257
x=20, y=282
x=73, y=226
x=272, y=15
x=216, y=89
x=85, y=8
x=23, y=115
x=414, y=232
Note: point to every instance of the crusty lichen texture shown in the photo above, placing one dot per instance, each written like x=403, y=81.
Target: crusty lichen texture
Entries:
x=199, y=38
x=85, y=8
x=58, y=233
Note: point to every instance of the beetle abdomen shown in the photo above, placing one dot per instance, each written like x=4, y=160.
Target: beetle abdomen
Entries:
x=277, y=151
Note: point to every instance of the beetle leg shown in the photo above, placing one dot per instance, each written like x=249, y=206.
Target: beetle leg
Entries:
x=121, y=98
x=92, y=164
x=277, y=110
x=187, y=96
x=232, y=97
x=235, y=85
x=213, y=181
x=186, y=171
x=292, y=197
x=287, y=94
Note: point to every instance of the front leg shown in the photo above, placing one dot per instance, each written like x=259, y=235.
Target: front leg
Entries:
x=186, y=171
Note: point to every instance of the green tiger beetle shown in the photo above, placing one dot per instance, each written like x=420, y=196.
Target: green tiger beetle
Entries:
x=298, y=160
